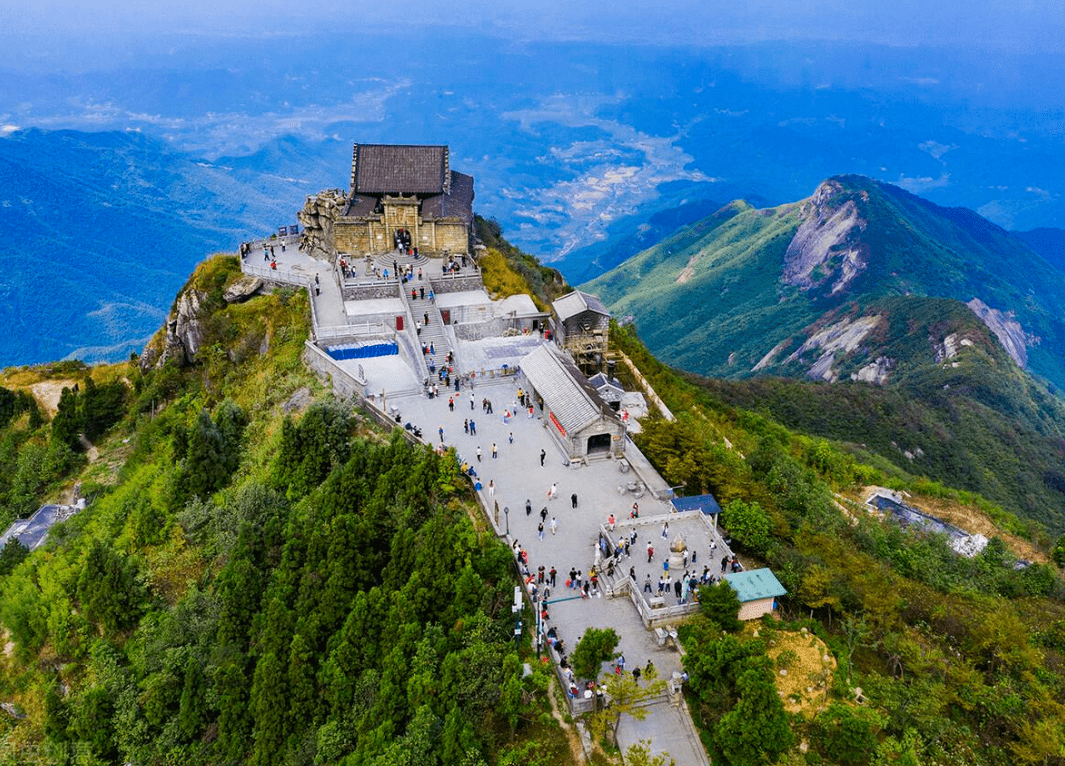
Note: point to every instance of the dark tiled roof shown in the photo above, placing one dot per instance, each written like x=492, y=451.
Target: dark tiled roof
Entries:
x=361, y=205
x=390, y=169
x=457, y=204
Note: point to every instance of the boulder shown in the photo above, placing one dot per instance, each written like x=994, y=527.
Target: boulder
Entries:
x=242, y=289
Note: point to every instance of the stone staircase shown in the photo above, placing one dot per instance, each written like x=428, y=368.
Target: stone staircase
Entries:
x=432, y=331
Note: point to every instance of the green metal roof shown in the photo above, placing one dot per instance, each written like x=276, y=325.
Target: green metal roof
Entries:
x=755, y=584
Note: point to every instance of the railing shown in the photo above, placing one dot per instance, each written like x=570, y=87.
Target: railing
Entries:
x=345, y=330
x=274, y=275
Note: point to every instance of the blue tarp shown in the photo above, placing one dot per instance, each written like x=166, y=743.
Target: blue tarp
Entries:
x=705, y=503
x=362, y=350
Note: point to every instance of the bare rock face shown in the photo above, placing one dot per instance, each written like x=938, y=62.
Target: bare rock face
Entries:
x=184, y=329
x=825, y=248
x=1007, y=329
x=877, y=372
x=844, y=336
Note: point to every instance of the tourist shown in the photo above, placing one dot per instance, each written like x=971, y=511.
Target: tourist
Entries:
x=554, y=525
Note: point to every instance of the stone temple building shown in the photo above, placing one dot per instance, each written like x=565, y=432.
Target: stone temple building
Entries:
x=401, y=198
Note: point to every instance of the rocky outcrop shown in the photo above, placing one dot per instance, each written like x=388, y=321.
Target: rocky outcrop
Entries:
x=826, y=249
x=317, y=217
x=950, y=347
x=770, y=358
x=844, y=336
x=1007, y=329
x=184, y=332
x=876, y=372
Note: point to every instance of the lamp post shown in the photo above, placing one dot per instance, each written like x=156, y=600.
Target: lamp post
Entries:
x=516, y=608
x=506, y=514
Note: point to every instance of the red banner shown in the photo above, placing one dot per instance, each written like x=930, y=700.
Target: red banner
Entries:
x=558, y=425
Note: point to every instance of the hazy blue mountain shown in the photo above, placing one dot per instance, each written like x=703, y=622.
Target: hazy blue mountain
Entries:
x=584, y=152
x=567, y=140
x=1048, y=242
x=103, y=228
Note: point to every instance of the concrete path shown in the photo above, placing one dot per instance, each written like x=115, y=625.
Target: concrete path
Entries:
x=518, y=477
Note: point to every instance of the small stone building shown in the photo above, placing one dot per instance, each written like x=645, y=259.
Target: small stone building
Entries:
x=582, y=423
x=758, y=590
x=582, y=325
x=400, y=197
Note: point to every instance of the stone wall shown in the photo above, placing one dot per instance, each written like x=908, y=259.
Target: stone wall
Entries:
x=356, y=235
x=451, y=236
x=457, y=284
x=492, y=328
x=345, y=385
x=371, y=291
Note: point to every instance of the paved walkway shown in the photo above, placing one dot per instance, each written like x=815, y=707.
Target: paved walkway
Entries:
x=518, y=477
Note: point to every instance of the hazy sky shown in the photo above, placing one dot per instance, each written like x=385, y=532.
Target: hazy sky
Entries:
x=1030, y=25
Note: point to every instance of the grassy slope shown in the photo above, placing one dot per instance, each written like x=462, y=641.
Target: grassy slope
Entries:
x=730, y=304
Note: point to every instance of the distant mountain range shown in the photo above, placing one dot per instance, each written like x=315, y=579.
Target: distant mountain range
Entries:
x=102, y=229
x=802, y=287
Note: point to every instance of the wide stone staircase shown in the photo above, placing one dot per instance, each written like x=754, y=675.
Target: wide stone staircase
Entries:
x=432, y=332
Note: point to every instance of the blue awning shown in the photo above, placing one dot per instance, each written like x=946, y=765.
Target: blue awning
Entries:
x=705, y=503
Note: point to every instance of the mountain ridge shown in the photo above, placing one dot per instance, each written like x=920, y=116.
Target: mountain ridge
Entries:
x=772, y=274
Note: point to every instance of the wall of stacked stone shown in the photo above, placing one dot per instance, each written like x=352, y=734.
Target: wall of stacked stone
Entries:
x=457, y=284
x=370, y=291
x=345, y=384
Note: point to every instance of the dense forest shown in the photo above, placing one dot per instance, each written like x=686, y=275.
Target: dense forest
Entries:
x=264, y=576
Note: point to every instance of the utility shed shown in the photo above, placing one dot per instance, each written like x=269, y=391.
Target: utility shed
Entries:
x=582, y=326
x=758, y=590
x=582, y=423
